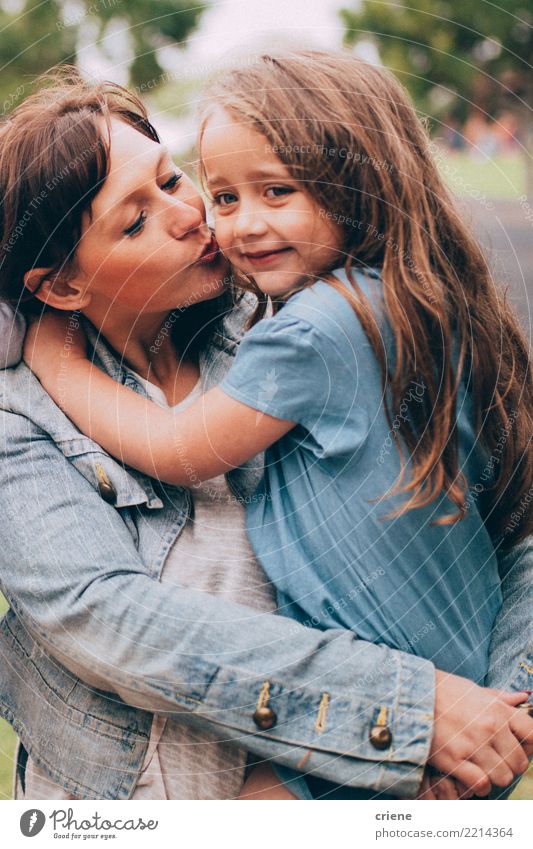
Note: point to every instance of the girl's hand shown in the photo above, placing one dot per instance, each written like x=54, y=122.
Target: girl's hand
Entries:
x=54, y=341
x=479, y=737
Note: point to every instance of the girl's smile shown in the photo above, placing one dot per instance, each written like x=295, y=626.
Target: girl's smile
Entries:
x=267, y=257
x=266, y=224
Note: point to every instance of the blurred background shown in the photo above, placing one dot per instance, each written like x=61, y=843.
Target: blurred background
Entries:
x=468, y=66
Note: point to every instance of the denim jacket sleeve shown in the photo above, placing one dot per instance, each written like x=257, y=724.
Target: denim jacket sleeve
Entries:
x=511, y=649
x=71, y=572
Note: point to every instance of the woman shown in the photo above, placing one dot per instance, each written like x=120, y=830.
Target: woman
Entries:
x=94, y=645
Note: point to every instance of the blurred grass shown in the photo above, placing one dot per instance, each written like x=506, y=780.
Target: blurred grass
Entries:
x=502, y=177
x=7, y=751
x=525, y=788
x=8, y=741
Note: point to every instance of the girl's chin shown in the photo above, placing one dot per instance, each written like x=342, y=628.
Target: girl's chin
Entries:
x=279, y=283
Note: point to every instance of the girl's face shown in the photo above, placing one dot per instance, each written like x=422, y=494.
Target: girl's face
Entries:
x=266, y=224
x=145, y=247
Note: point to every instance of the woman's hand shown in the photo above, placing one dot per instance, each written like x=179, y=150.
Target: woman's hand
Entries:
x=53, y=343
x=437, y=787
x=479, y=737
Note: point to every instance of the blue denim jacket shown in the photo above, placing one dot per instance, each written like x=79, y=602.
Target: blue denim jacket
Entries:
x=93, y=643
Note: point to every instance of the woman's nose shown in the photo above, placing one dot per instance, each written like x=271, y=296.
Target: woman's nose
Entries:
x=184, y=217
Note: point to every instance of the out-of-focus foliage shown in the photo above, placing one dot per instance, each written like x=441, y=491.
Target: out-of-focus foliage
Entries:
x=35, y=35
x=455, y=56
x=478, y=51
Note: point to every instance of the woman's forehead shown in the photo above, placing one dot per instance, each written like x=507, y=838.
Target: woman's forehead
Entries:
x=127, y=142
x=132, y=160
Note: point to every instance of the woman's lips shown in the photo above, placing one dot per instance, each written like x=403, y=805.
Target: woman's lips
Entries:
x=261, y=258
x=210, y=252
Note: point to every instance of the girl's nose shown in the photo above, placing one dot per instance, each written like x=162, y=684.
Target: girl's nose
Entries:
x=183, y=217
x=248, y=224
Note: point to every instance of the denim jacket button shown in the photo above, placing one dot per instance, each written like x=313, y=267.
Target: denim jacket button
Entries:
x=265, y=718
x=380, y=737
x=105, y=487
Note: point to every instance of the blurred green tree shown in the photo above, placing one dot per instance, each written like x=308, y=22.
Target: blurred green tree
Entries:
x=37, y=34
x=456, y=57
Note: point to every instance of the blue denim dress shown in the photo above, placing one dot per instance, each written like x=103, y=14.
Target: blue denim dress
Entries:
x=322, y=530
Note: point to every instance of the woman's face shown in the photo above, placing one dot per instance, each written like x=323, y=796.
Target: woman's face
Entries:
x=145, y=246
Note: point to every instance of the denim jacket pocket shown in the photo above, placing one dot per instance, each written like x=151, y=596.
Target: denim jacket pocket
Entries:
x=87, y=741
x=54, y=678
x=123, y=490
x=102, y=712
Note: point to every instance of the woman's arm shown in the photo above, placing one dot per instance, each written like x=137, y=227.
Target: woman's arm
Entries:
x=70, y=570
x=212, y=435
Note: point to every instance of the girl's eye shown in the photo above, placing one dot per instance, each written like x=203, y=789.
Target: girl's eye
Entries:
x=137, y=226
x=279, y=191
x=224, y=199
x=172, y=182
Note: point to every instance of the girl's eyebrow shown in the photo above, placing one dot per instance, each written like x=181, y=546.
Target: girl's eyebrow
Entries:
x=255, y=174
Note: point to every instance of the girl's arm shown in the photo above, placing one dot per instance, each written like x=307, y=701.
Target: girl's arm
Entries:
x=212, y=435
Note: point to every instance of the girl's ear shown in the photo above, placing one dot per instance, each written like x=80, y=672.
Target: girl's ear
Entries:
x=56, y=290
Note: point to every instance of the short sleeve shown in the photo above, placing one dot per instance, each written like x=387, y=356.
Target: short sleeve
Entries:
x=299, y=368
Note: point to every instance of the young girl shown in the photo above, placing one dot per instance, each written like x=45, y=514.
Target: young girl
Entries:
x=390, y=388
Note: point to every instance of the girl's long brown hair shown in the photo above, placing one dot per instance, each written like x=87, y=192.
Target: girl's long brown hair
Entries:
x=348, y=130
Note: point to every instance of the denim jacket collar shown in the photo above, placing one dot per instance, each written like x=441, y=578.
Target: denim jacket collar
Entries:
x=22, y=393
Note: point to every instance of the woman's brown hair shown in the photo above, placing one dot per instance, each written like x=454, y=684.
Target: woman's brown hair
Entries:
x=349, y=132
x=54, y=159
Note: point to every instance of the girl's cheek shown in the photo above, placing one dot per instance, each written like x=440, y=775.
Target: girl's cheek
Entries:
x=223, y=234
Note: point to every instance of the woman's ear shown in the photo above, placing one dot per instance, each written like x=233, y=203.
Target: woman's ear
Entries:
x=56, y=290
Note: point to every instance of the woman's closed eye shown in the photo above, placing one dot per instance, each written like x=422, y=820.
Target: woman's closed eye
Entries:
x=135, y=228
x=172, y=182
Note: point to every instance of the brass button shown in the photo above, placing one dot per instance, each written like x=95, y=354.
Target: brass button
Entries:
x=527, y=707
x=105, y=487
x=265, y=718
x=380, y=737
